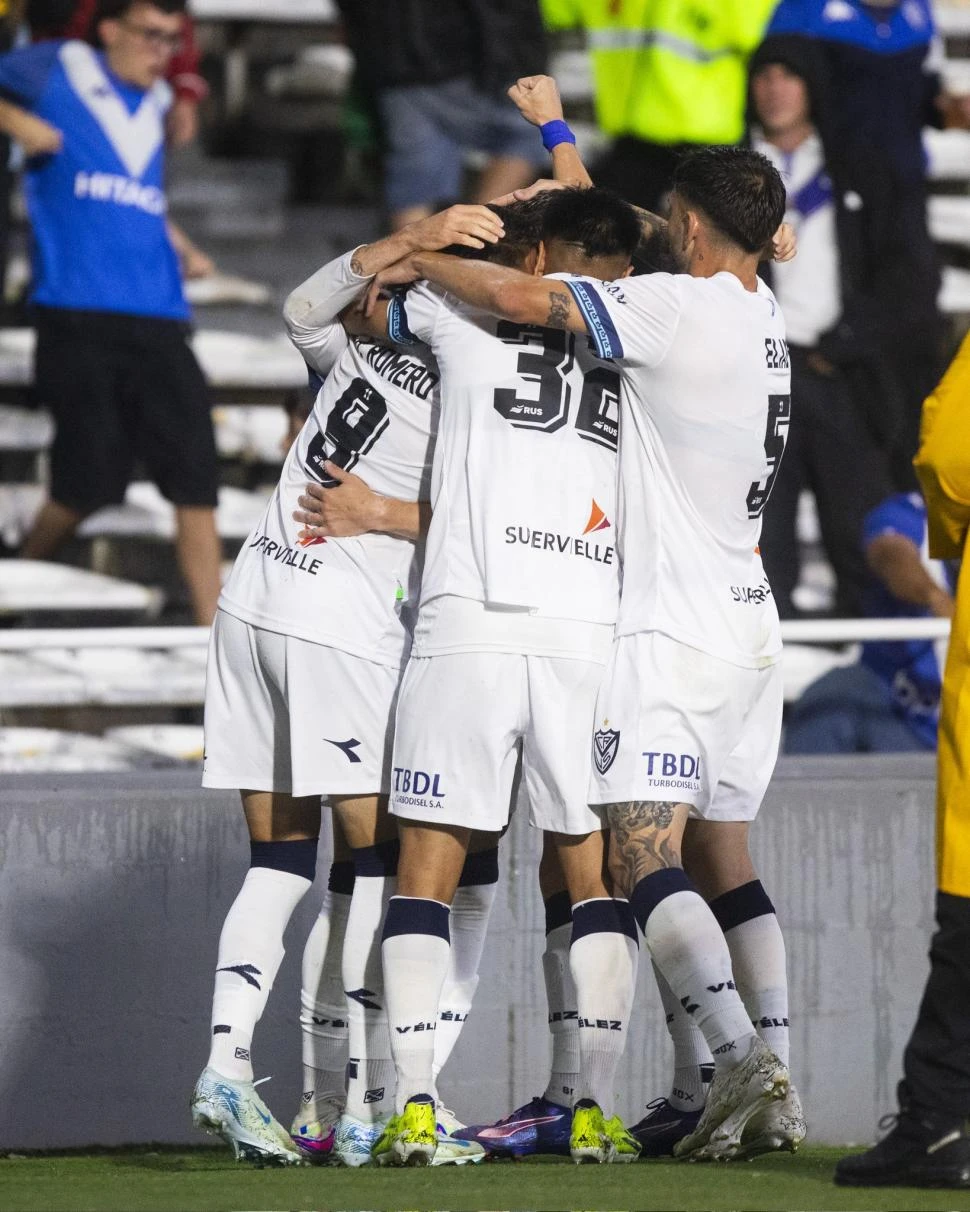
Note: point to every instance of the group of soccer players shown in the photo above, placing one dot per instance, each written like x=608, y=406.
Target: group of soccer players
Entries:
x=528, y=546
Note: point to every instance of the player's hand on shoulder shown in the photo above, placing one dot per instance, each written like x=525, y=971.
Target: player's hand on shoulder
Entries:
x=784, y=244
x=471, y=226
x=37, y=137
x=537, y=99
x=341, y=512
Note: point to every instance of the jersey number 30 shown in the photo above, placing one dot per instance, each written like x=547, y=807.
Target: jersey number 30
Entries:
x=776, y=435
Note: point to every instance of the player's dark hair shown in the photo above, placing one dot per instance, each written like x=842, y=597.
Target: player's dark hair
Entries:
x=523, y=231
x=114, y=10
x=596, y=221
x=738, y=189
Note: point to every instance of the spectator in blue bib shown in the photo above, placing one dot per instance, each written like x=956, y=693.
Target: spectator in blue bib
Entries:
x=113, y=362
x=889, y=701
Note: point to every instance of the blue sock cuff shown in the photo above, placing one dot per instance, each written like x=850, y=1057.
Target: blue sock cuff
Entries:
x=480, y=868
x=295, y=858
x=379, y=860
x=656, y=887
x=741, y=905
x=559, y=911
x=341, y=877
x=414, y=915
x=604, y=916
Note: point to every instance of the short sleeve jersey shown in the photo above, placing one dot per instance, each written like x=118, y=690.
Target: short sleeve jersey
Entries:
x=375, y=416
x=97, y=207
x=911, y=670
x=524, y=478
x=705, y=399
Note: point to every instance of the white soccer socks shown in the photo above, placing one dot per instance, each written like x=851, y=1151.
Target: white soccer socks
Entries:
x=323, y=1008
x=747, y=917
x=370, y=1069
x=468, y=926
x=251, y=948
x=561, y=1000
x=416, y=955
x=693, y=1062
x=688, y=946
x=603, y=963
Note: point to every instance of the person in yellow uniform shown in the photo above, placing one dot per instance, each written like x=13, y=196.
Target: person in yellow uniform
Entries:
x=668, y=75
x=929, y=1145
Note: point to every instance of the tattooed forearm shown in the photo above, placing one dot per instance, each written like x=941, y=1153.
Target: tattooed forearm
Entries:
x=558, y=310
x=649, y=222
x=644, y=838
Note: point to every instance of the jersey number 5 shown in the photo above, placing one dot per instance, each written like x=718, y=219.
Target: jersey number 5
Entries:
x=776, y=435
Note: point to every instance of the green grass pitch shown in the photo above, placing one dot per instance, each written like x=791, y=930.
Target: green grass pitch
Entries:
x=143, y=1180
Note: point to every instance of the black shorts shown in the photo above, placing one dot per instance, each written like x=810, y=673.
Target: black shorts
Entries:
x=123, y=388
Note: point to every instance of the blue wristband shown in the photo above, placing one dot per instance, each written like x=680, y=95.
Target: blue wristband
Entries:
x=554, y=133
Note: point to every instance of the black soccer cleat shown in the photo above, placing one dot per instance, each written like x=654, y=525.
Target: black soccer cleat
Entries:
x=922, y=1149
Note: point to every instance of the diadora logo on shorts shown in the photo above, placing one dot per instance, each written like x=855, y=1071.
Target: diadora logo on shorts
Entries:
x=417, y=788
x=564, y=544
x=605, y=744
x=679, y=770
x=346, y=748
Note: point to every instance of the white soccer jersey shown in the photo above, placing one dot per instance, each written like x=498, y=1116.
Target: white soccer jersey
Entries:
x=524, y=479
x=705, y=405
x=375, y=416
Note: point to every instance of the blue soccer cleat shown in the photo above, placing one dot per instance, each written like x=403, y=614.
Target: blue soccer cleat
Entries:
x=538, y=1127
x=662, y=1128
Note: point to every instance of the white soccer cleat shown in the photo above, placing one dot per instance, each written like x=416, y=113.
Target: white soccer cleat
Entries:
x=354, y=1140
x=735, y=1098
x=314, y=1129
x=778, y=1128
x=234, y=1111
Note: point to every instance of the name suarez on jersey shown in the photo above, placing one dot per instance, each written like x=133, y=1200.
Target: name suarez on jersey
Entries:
x=124, y=191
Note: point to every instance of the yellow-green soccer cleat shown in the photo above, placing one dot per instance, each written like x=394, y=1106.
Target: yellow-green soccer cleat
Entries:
x=411, y=1138
x=626, y=1147
x=589, y=1140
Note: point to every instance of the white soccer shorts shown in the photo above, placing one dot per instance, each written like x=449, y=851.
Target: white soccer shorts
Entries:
x=460, y=721
x=282, y=714
x=677, y=724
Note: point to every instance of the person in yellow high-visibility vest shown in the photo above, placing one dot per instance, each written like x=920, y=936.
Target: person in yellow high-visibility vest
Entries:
x=668, y=74
x=930, y=1142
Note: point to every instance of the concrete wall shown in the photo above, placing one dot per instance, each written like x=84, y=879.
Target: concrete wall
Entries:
x=112, y=894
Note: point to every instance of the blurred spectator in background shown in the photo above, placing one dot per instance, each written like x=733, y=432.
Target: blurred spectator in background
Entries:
x=890, y=700
x=56, y=19
x=437, y=71
x=113, y=362
x=929, y=1142
x=667, y=76
x=838, y=208
x=11, y=17
x=881, y=96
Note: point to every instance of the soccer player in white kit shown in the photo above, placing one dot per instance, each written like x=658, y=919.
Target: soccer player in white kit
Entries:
x=690, y=712
x=305, y=659
x=518, y=598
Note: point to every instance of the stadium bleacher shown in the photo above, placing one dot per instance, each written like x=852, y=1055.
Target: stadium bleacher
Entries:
x=252, y=370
